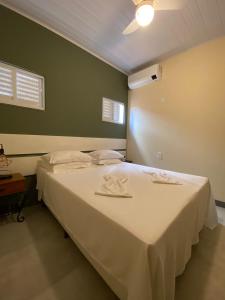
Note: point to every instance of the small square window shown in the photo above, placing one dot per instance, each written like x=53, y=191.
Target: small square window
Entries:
x=21, y=88
x=113, y=111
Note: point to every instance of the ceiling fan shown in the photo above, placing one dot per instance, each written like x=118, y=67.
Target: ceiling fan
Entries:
x=145, y=11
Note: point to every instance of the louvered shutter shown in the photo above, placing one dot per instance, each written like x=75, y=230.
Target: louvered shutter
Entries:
x=6, y=82
x=107, y=110
x=112, y=111
x=28, y=87
x=21, y=88
x=118, y=112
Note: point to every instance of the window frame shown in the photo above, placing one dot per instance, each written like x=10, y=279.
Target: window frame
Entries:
x=112, y=119
x=13, y=100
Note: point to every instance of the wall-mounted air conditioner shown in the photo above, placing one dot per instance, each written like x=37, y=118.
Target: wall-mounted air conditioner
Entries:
x=144, y=77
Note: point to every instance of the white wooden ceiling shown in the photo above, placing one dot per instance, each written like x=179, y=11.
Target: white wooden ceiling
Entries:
x=97, y=26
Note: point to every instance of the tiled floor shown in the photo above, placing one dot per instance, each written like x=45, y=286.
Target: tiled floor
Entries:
x=221, y=215
x=37, y=263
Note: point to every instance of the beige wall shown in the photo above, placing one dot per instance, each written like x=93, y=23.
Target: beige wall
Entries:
x=183, y=116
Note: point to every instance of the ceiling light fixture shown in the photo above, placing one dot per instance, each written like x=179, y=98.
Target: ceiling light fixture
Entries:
x=145, y=13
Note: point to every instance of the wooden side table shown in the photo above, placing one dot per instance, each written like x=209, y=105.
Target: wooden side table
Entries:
x=11, y=186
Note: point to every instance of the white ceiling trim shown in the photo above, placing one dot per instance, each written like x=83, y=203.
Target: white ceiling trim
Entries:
x=62, y=35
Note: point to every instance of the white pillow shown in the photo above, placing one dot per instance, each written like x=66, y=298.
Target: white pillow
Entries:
x=108, y=161
x=105, y=154
x=61, y=157
x=63, y=168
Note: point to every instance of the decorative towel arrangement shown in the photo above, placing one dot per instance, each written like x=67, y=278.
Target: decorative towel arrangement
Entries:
x=114, y=185
x=162, y=178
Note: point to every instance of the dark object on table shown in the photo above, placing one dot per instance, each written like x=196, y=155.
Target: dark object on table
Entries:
x=4, y=163
x=2, y=150
x=5, y=176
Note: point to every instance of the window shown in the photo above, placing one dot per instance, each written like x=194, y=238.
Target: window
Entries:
x=21, y=88
x=113, y=111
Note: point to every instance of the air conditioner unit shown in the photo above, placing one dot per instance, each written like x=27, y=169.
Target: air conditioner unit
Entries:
x=144, y=77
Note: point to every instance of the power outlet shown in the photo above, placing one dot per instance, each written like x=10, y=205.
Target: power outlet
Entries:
x=159, y=155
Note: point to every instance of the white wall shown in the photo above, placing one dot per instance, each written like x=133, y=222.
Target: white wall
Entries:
x=183, y=116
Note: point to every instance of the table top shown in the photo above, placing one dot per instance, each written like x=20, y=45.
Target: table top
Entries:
x=15, y=177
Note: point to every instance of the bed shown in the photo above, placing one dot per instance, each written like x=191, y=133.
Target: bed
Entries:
x=140, y=244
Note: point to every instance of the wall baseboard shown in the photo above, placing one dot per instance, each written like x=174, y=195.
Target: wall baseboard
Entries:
x=220, y=203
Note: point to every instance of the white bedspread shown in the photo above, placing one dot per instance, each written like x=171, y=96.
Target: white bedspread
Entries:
x=139, y=244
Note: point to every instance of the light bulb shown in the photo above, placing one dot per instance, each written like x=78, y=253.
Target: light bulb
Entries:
x=145, y=14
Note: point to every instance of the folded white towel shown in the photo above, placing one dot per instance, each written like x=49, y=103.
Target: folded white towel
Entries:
x=114, y=185
x=162, y=178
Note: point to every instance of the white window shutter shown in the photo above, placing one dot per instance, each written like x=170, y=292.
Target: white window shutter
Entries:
x=107, y=110
x=118, y=113
x=112, y=111
x=6, y=82
x=20, y=87
x=28, y=87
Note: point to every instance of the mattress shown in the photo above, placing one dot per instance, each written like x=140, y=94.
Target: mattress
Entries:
x=140, y=244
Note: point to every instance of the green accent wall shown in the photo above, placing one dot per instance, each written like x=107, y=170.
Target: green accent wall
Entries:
x=75, y=82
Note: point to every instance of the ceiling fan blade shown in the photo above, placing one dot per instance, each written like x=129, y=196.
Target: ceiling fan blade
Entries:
x=169, y=4
x=132, y=27
x=136, y=2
